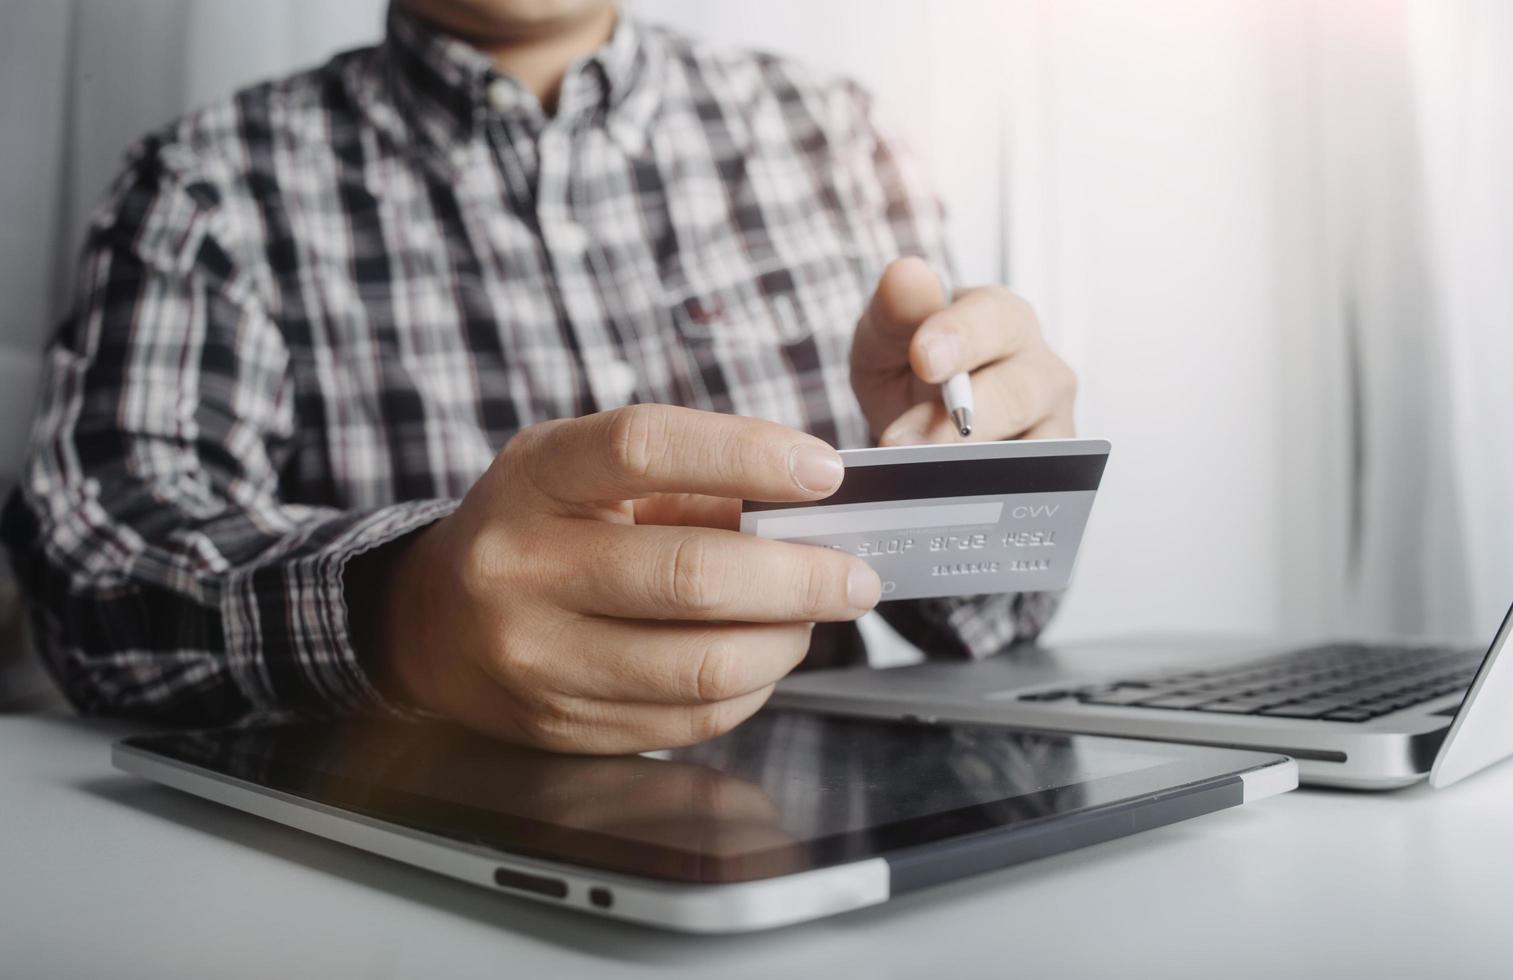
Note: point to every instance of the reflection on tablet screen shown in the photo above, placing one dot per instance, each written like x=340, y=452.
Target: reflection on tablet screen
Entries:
x=783, y=792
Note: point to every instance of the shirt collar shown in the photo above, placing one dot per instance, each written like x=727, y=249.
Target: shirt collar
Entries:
x=445, y=87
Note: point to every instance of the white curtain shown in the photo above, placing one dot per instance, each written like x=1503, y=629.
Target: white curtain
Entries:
x=1460, y=61
x=1415, y=311
x=1271, y=235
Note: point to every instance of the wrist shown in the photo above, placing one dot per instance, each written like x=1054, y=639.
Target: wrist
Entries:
x=381, y=596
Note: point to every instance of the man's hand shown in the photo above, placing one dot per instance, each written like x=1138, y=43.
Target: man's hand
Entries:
x=910, y=340
x=590, y=593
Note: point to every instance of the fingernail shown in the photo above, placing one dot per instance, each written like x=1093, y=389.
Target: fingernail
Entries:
x=815, y=469
x=863, y=587
x=942, y=354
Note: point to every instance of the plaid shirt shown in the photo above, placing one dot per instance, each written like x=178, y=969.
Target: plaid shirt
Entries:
x=309, y=317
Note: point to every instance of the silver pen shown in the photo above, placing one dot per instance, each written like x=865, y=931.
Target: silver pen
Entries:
x=957, y=392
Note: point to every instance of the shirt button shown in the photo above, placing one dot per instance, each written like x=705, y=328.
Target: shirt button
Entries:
x=619, y=382
x=502, y=95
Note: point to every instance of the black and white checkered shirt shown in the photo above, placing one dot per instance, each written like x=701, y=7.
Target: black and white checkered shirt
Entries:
x=308, y=318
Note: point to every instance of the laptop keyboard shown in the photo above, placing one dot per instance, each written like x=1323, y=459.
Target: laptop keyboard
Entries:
x=1338, y=682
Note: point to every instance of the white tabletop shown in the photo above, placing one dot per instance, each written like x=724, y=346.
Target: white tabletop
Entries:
x=104, y=875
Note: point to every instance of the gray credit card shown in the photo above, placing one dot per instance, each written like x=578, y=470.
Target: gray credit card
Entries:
x=956, y=519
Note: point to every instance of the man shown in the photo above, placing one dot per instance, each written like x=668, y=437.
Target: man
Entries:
x=368, y=399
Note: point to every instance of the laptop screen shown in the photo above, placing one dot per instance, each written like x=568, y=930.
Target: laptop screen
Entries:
x=1480, y=736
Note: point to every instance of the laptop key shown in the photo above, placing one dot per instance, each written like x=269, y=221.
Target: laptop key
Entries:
x=1176, y=702
x=1350, y=714
x=1052, y=695
x=1119, y=695
x=1303, y=709
x=1234, y=707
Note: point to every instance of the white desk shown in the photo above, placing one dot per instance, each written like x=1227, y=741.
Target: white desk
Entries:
x=102, y=875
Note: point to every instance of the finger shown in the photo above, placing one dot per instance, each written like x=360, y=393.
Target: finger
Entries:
x=587, y=726
x=644, y=449
x=613, y=728
x=980, y=327
x=1027, y=393
x=689, y=510
x=679, y=573
x=668, y=663
x=1058, y=426
x=926, y=423
x=907, y=293
x=1011, y=398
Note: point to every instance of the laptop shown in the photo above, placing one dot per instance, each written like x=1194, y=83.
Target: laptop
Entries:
x=1354, y=714
x=790, y=817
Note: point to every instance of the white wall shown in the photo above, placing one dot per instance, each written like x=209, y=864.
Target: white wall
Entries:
x=1160, y=268
x=33, y=48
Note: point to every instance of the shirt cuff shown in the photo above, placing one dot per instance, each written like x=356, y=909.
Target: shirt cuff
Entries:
x=287, y=635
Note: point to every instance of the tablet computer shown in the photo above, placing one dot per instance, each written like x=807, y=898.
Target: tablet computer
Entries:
x=789, y=817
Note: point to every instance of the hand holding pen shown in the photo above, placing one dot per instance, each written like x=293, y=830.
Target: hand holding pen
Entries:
x=977, y=367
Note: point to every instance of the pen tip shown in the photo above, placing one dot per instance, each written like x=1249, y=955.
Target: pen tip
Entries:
x=963, y=419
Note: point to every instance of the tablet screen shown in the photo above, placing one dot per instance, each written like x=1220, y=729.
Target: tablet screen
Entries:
x=784, y=792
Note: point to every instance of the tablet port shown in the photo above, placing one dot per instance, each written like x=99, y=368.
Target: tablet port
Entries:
x=601, y=897
x=536, y=884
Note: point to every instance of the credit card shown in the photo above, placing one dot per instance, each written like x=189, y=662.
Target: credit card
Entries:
x=956, y=519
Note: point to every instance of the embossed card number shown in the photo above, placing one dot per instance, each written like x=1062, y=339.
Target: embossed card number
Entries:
x=950, y=520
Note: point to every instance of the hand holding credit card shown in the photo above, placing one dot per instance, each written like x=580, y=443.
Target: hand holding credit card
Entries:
x=953, y=519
